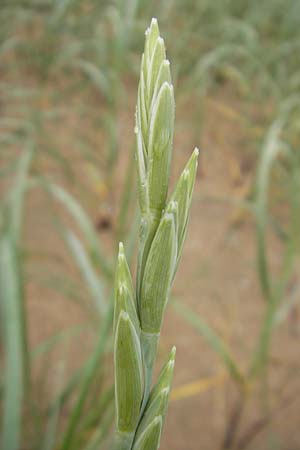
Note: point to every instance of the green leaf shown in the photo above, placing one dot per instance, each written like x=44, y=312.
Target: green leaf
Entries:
x=17, y=365
x=16, y=199
x=101, y=431
x=269, y=154
x=93, y=282
x=14, y=341
x=84, y=222
x=96, y=75
x=87, y=380
x=51, y=431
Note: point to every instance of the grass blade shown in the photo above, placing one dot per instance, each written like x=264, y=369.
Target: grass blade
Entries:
x=14, y=343
x=82, y=219
x=269, y=155
x=88, y=379
x=94, y=284
x=16, y=197
x=12, y=308
x=215, y=342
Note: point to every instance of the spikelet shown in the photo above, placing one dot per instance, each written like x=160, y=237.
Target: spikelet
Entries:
x=154, y=135
x=159, y=398
x=128, y=375
x=154, y=123
x=150, y=438
x=158, y=274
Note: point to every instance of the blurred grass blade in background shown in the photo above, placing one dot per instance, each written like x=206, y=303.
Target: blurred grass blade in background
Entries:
x=13, y=318
x=88, y=378
x=92, y=280
x=269, y=155
x=85, y=224
x=14, y=342
x=217, y=344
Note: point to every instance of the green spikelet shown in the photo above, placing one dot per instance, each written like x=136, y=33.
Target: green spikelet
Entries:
x=183, y=194
x=158, y=275
x=154, y=129
x=128, y=375
x=166, y=375
x=150, y=438
x=124, y=293
x=159, y=396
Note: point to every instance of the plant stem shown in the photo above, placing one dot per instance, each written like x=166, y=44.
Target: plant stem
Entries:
x=262, y=353
x=234, y=421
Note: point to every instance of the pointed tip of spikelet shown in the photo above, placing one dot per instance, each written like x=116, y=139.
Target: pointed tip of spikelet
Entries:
x=121, y=254
x=153, y=27
x=193, y=161
x=154, y=22
x=173, y=353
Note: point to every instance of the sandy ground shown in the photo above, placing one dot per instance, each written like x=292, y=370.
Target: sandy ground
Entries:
x=216, y=278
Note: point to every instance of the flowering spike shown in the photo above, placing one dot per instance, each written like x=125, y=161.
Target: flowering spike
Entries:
x=138, y=316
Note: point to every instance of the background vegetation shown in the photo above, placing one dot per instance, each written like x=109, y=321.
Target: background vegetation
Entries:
x=68, y=83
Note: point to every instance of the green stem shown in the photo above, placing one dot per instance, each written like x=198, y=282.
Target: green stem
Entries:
x=262, y=353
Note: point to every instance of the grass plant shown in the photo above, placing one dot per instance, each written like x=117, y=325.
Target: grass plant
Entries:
x=138, y=314
x=67, y=68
